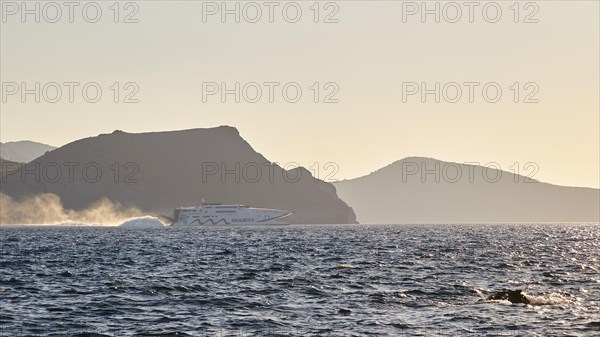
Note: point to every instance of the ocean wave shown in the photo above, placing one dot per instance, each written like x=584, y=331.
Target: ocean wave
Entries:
x=549, y=299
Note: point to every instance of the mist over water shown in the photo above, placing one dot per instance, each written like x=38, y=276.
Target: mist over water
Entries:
x=47, y=209
x=300, y=280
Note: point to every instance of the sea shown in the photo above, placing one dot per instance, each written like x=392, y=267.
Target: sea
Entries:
x=300, y=280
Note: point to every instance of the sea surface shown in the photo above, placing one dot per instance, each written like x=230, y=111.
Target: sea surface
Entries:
x=300, y=280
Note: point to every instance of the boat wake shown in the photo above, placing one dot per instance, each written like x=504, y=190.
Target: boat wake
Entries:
x=47, y=209
x=144, y=222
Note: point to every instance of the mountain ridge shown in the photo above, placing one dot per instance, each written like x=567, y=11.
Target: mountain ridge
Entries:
x=158, y=171
x=421, y=158
x=23, y=151
x=397, y=194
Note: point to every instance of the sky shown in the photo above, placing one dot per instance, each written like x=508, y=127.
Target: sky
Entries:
x=371, y=61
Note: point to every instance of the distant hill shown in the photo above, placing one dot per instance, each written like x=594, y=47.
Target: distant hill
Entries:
x=162, y=170
x=23, y=151
x=7, y=166
x=399, y=193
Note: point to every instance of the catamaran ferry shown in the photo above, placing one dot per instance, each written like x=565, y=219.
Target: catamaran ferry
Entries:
x=219, y=214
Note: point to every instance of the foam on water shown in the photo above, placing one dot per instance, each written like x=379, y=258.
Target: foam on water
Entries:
x=549, y=299
x=145, y=222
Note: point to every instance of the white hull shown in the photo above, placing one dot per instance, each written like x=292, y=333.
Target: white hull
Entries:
x=227, y=215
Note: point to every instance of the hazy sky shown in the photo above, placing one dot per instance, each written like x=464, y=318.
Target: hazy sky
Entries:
x=369, y=53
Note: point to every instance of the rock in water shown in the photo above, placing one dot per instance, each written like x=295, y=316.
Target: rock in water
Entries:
x=514, y=296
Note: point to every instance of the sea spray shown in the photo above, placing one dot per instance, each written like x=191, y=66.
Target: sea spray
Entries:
x=145, y=222
x=47, y=209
